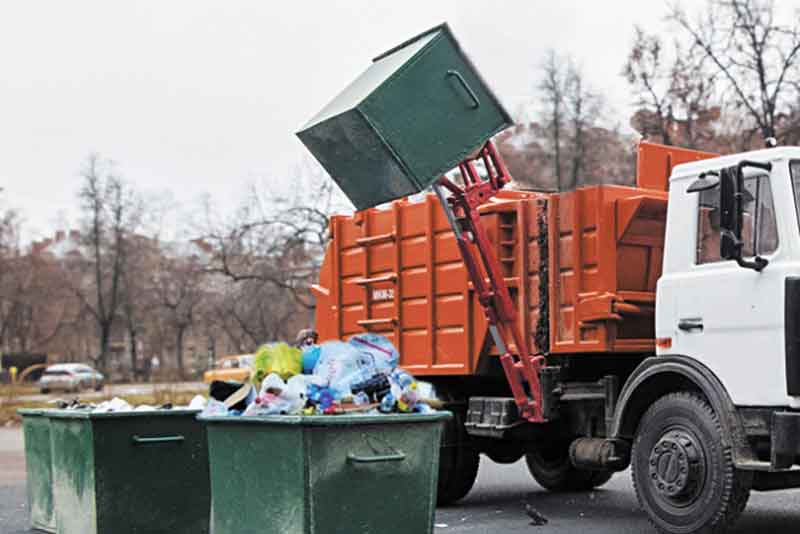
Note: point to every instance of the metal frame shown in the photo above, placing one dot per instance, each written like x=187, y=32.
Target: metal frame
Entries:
x=461, y=207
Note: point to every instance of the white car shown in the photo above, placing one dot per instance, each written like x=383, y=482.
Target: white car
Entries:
x=70, y=377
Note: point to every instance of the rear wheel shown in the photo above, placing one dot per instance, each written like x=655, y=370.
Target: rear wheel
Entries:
x=550, y=466
x=458, y=462
x=505, y=451
x=683, y=471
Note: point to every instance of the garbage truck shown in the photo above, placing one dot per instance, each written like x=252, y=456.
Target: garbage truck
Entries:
x=654, y=326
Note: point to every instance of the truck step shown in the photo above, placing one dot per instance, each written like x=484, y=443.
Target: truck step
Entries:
x=491, y=416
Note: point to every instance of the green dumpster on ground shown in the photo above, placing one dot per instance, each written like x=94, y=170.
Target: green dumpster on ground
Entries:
x=39, y=469
x=347, y=474
x=129, y=472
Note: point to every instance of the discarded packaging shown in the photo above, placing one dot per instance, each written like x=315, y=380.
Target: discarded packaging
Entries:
x=359, y=376
x=278, y=358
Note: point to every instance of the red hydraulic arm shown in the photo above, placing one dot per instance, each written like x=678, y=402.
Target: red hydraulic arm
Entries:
x=461, y=207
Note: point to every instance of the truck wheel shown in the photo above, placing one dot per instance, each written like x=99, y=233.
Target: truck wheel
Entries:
x=505, y=451
x=551, y=468
x=458, y=462
x=683, y=474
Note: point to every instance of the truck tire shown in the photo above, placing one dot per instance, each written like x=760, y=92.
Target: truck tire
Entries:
x=552, y=469
x=505, y=451
x=683, y=473
x=458, y=462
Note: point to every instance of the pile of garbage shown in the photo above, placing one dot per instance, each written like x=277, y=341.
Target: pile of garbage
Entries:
x=335, y=377
x=117, y=404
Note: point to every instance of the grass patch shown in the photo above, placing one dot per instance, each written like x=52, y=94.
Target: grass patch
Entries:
x=9, y=391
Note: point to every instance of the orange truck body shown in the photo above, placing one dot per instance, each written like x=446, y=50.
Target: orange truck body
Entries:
x=581, y=266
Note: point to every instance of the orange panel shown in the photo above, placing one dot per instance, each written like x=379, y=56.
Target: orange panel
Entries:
x=398, y=271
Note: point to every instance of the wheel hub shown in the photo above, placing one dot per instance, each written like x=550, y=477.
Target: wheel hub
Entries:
x=676, y=465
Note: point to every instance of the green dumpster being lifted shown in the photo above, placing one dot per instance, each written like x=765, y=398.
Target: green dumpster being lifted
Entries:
x=414, y=114
x=324, y=474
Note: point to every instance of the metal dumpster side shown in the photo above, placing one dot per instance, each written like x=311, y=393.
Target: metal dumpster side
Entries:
x=130, y=472
x=39, y=469
x=324, y=474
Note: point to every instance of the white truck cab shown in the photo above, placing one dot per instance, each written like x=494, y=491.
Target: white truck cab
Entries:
x=716, y=412
x=734, y=319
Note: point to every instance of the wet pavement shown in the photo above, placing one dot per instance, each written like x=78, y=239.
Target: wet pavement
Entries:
x=496, y=504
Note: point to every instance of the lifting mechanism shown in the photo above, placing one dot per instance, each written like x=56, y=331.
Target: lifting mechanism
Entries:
x=521, y=366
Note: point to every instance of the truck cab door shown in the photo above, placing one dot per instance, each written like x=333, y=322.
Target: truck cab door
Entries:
x=728, y=317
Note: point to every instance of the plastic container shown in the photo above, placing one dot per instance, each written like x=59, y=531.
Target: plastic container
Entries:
x=39, y=469
x=349, y=474
x=129, y=472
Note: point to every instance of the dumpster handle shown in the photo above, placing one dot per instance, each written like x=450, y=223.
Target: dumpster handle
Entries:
x=356, y=459
x=475, y=102
x=138, y=440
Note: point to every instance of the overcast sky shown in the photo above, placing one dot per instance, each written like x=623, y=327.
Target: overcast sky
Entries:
x=200, y=97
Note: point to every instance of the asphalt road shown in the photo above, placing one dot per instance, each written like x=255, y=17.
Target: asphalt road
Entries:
x=495, y=505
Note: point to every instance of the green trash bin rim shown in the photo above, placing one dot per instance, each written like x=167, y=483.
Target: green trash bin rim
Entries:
x=328, y=420
x=86, y=414
x=27, y=412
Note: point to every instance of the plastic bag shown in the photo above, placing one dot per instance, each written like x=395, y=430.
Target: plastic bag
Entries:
x=341, y=365
x=114, y=405
x=214, y=407
x=377, y=348
x=278, y=358
x=279, y=397
x=198, y=402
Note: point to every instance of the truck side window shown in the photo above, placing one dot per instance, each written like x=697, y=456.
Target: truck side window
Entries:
x=759, y=232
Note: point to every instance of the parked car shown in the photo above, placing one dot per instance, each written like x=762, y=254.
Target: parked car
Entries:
x=70, y=377
x=231, y=368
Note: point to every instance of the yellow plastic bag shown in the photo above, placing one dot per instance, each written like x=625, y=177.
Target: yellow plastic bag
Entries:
x=278, y=358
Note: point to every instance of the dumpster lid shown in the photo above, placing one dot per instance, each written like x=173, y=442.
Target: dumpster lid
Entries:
x=330, y=420
x=87, y=414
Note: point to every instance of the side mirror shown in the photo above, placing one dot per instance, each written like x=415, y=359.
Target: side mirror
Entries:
x=731, y=199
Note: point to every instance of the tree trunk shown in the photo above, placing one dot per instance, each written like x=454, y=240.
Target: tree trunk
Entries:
x=557, y=143
x=179, y=349
x=134, y=353
x=105, y=341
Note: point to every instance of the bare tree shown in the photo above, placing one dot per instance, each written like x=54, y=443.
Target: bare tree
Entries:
x=756, y=56
x=584, y=107
x=648, y=74
x=571, y=109
x=275, y=239
x=553, y=87
x=673, y=89
x=139, y=301
x=178, y=285
x=33, y=304
x=111, y=216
